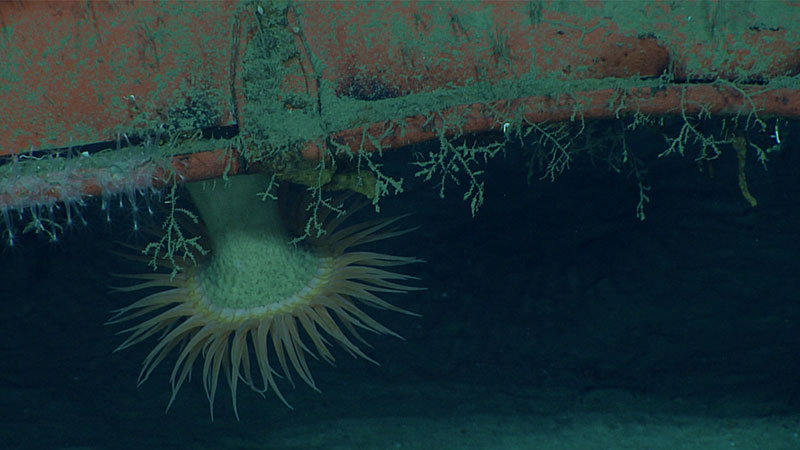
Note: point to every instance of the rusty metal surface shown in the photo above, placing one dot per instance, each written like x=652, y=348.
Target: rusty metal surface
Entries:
x=405, y=49
x=551, y=62
x=81, y=72
x=380, y=75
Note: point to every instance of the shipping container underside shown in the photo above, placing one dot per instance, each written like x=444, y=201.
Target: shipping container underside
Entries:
x=116, y=100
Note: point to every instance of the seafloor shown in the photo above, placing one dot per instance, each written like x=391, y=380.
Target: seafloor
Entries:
x=553, y=320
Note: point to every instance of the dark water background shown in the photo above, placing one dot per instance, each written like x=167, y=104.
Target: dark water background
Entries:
x=554, y=294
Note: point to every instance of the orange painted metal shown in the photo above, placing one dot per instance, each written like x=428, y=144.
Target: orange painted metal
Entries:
x=366, y=60
x=78, y=73
x=479, y=117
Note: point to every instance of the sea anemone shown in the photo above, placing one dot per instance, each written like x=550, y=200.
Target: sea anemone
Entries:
x=256, y=298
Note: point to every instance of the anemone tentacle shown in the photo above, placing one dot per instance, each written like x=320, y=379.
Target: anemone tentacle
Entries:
x=225, y=310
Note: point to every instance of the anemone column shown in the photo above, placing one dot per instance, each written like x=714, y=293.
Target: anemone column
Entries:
x=243, y=305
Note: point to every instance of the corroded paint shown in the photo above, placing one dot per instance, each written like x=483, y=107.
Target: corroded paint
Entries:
x=77, y=73
x=328, y=77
